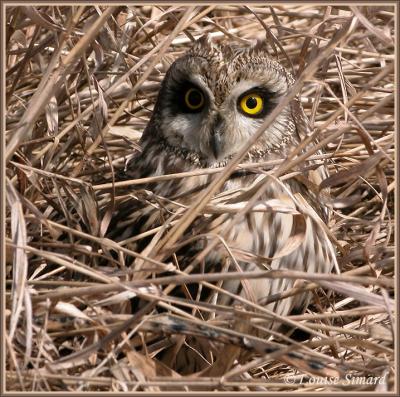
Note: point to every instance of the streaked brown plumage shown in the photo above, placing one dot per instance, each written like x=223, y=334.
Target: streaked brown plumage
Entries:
x=284, y=229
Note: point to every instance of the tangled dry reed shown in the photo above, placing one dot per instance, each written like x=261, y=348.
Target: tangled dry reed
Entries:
x=81, y=82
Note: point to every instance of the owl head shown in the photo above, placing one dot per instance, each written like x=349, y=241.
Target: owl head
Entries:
x=215, y=97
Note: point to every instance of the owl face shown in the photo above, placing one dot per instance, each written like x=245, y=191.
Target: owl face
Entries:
x=214, y=98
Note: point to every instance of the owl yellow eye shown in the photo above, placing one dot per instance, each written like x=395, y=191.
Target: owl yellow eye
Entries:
x=252, y=104
x=194, y=99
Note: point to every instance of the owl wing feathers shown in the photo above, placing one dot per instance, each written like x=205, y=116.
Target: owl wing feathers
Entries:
x=281, y=229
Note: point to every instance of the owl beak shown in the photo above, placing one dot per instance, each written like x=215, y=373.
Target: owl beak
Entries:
x=215, y=136
x=215, y=143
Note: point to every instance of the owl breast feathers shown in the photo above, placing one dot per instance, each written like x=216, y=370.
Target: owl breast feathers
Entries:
x=212, y=100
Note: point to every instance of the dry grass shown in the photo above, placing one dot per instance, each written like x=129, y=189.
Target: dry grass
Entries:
x=81, y=82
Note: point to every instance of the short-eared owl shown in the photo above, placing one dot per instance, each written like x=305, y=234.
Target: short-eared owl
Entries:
x=211, y=101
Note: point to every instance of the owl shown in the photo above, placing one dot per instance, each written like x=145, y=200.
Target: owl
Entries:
x=211, y=102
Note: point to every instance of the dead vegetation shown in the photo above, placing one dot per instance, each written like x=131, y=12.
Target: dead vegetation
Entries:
x=80, y=85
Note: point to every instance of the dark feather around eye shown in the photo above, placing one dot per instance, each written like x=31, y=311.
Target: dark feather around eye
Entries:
x=176, y=97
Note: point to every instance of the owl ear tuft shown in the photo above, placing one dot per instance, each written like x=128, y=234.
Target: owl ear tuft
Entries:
x=205, y=40
x=260, y=46
x=202, y=44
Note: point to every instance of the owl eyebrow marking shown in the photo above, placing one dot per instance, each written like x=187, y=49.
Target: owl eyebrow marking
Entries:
x=261, y=90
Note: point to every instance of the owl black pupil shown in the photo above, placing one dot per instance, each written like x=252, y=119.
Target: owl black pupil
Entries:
x=194, y=98
x=251, y=103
